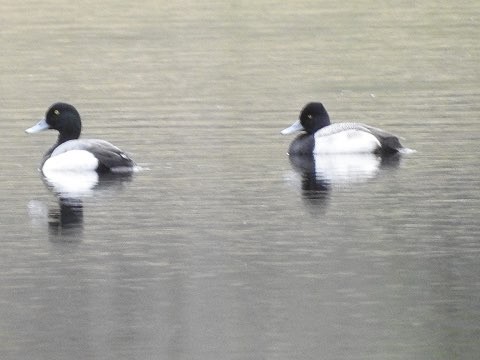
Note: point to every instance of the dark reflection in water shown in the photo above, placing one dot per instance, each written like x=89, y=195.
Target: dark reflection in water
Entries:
x=315, y=189
x=320, y=173
x=65, y=222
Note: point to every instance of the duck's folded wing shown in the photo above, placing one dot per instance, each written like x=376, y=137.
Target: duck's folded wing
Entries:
x=107, y=154
x=377, y=131
x=388, y=140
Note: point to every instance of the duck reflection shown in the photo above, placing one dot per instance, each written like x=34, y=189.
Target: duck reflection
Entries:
x=315, y=190
x=320, y=173
x=65, y=221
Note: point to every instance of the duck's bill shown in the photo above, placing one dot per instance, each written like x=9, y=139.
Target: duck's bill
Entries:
x=296, y=126
x=40, y=126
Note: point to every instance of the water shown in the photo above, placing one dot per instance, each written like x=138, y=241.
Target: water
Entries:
x=223, y=248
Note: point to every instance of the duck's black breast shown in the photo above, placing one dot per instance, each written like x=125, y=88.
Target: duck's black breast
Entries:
x=303, y=144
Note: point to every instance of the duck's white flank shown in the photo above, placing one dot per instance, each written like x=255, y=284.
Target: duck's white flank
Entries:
x=345, y=141
x=73, y=160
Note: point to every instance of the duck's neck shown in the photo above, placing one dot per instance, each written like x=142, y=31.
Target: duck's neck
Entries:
x=73, y=133
x=320, y=122
x=62, y=137
x=70, y=130
x=324, y=121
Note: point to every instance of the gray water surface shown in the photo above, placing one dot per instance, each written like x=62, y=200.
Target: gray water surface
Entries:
x=222, y=247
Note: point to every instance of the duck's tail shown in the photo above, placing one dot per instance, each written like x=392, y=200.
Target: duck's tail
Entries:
x=389, y=142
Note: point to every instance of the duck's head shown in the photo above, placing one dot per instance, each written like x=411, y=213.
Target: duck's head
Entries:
x=313, y=117
x=61, y=117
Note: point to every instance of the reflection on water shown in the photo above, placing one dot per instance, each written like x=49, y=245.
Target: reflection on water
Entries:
x=65, y=219
x=72, y=185
x=210, y=254
x=66, y=222
x=319, y=174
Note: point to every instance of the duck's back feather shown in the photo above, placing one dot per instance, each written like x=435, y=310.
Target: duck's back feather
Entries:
x=339, y=127
x=109, y=156
x=388, y=142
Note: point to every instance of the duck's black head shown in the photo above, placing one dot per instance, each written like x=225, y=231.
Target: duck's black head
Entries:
x=313, y=117
x=61, y=117
x=65, y=119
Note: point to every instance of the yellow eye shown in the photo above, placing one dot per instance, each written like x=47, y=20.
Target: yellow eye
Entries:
x=56, y=112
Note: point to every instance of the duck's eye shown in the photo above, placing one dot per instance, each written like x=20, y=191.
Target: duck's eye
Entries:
x=56, y=112
x=310, y=116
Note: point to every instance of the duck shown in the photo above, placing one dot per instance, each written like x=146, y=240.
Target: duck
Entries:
x=322, y=137
x=70, y=153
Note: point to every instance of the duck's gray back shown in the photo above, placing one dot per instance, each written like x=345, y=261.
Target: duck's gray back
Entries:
x=388, y=141
x=85, y=144
x=108, y=154
x=339, y=127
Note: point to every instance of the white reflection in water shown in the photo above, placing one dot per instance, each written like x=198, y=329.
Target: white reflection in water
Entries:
x=346, y=168
x=65, y=219
x=316, y=176
x=72, y=184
